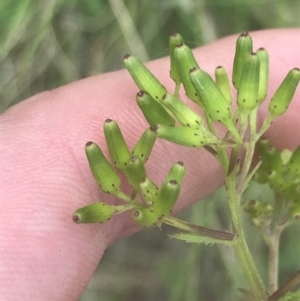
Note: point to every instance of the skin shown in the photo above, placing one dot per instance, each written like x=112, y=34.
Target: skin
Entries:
x=44, y=174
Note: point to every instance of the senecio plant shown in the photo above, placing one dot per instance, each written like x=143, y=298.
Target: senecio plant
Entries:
x=171, y=119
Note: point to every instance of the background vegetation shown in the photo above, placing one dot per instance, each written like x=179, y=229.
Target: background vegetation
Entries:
x=45, y=44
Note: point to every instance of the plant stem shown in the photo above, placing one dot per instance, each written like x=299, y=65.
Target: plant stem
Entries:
x=273, y=244
x=241, y=246
x=221, y=151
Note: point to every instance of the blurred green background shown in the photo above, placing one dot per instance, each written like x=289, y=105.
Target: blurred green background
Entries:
x=45, y=44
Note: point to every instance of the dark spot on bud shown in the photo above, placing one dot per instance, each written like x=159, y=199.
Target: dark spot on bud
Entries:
x=244, y=34
x=89, y=143
x=188, y=124
x=219, y=120
x=173, y=182
x=261, y=49
x=143, y=180
x=174, y=34
x=219, y=67
x=228, y=109
x=133, y=159
x=113, y=185
x=180, y=163
x=195, y=134
x=76, y=218
x=179, y=45
x=193, y=69
x=140, y=94
x=156, y=97
x=253, y=53
x=296, y=69
x=164, y=97
x=108, y=120
x=115, y=162
x=136, y=213
x=218, y=111
x=126, y=56
x=154, y=128
x=244, y=100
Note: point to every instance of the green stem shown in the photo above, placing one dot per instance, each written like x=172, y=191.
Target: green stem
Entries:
x=220, y=150
x=241, y=246
x=273, y=244
x=267, y=123
x=249, y=152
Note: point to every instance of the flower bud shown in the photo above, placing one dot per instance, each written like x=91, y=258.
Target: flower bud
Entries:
x=94, y=213
x=174, y=40
x=152, y=110
x=263, y=74
x=243, y=49
x=184, y=114
x=144, y=146
x=144, y=216
x=222, y=82
x=103, y=172
x=116, y=144
x=143, y=78
x=284, y=94
x=185, y=61
x=249, y=83
x=166, y=198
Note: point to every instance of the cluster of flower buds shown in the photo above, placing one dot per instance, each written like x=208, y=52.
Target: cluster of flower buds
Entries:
x=171, y=119
x=260, y=213
x=148, y=202
x=281, y=170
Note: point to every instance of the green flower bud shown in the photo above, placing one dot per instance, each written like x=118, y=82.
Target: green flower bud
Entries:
x=271, y=157
x=135, y=172
x=293, y=165
x=144, y=146
x=213, y=100
x=116, y=144
x=152, y=110
x=166, y=198
x=185, y=136
x=222, y=82
x=249, y=83
x=143, y=78
x=149, y=191
x=94, y=213
x=295, y=212
x=263, y=74
x=144, y=216
x=243, y=49
x=184, y=114
x=103, y=172
x=185, y=61
x=175, y=39
x=284, y=94
x=176, y=172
